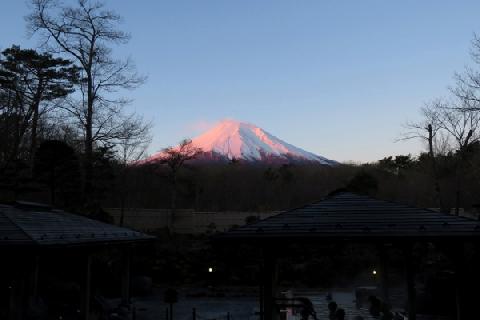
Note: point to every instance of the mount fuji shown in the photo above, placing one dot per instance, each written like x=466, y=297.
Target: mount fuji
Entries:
x=235, y=140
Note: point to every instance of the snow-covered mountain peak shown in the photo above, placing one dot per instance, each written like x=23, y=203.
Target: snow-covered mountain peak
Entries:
x=233, y=139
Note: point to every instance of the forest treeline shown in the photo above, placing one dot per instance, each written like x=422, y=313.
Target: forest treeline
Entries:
x=246, y=187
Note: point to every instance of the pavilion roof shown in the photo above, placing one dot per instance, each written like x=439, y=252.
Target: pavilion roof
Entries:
x=349, y=216
x=26, y=224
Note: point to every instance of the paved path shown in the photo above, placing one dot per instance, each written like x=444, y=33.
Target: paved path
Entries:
x=239, y=308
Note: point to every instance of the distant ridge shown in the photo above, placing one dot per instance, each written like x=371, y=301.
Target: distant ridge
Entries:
x=235, y=140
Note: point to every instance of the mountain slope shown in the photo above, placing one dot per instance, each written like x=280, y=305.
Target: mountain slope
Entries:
x=232, y=139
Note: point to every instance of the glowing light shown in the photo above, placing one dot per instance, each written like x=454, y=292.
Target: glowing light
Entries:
x=210, y=269
x=374, y=272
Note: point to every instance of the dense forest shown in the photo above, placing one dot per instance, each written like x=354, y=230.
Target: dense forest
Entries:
x=247, y=187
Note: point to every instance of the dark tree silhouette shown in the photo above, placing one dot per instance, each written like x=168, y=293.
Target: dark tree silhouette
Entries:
x=29, y=82
x=174, y=158
x=468, y=82
x=85, y=33
x=454, y=126
x=363, y=183
x=57, y=166
x=36, y=78
x=132, y=143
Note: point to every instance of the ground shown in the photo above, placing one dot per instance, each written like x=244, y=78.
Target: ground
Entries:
x=239, y=305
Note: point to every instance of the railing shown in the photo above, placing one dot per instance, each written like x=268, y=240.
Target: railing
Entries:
x=222, y=316
x=185, y=220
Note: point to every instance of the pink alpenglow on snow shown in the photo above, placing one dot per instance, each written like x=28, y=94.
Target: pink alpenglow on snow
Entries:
x=242, y=141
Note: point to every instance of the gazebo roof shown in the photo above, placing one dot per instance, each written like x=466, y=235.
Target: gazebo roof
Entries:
x=26, y=224
x=348, y=216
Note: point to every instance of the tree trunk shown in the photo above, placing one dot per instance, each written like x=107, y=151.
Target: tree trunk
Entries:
x=438, y=194
x=33, y=138
x=122, y=211
x=174, y=202
x=89, y=144
x=123, y=195
x=35, y=116
x=460, y=162
x=52, y=187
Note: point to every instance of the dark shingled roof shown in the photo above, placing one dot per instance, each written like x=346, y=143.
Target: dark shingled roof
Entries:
x=348, y=216
x=30, y=224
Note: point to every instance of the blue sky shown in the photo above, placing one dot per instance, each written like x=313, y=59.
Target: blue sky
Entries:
x=338, y=78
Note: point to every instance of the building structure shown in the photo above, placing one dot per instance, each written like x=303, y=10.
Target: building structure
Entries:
x=348, y=218
x=32, y=235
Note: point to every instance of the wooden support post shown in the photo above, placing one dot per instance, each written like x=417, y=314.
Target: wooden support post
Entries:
x=87, y=287
x=456, y=255
x=126, y=259
x=35, y=277
x=11, y=300
x=384, y=283
x=269, y=279
x=458, y=259
x=261, y=297
x=16, y=301
x=458, y=290
x=410, y=277
x=17, y=290
x=260, y=291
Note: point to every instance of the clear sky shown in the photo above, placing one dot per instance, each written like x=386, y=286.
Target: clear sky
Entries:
x=337, y=78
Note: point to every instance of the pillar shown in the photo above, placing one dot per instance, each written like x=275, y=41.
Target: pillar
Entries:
x=269, y=279
x=35, y=278
x=126, y=262
x=459, y=284
x=18, y=275
x=383, y=270
x=456, y=254
x=261, y=293
x=87, y=286
x=16, y=306
x=410, y=278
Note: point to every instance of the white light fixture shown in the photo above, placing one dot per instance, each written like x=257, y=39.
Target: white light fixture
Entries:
x=210, y=270
x=374, y=272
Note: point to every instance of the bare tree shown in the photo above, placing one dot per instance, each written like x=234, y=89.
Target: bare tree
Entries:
x=175, y=158
x=132, y=142
x=467, y=88
x=425, y=129
x=84, y=33
x=457, y=126
x=455, y=121
x=429, y=131
x=462, y=123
